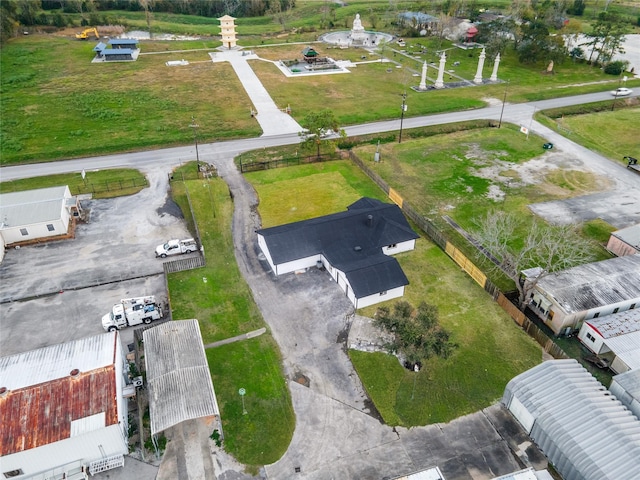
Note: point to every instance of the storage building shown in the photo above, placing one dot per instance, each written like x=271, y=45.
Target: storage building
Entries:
x=585, y=432
x=63, y=410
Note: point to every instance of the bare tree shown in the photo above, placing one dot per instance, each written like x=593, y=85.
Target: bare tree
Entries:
x=550, y=248
x=148, y=5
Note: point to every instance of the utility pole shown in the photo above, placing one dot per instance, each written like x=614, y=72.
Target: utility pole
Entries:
x=504, y=100
x=404, y=109
x=195, y=126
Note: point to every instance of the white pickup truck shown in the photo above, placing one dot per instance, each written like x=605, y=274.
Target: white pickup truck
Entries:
x=176, y=247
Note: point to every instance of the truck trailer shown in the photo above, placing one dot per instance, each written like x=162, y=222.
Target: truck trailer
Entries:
x=132, y=311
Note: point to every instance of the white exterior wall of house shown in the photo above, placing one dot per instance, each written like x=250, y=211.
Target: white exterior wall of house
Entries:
x=618, y=366
x=52, y=458
x=399, y=248
x=36, y=230
x=2, y=246
x=591, y=339
x=380, y=297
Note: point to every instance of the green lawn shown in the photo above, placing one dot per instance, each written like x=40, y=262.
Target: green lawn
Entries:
x=56, y=104
x=492, y=348
x=100, y=183
x=219, y=298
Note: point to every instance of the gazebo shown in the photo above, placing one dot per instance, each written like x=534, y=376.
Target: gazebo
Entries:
x=310, y=55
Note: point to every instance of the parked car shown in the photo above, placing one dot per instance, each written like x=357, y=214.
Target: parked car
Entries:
x=621, y=92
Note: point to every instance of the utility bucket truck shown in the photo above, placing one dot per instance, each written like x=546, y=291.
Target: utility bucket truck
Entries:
x=132, y=311
x=176, y=247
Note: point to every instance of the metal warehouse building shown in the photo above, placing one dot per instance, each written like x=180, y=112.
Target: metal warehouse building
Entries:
x=584, y=431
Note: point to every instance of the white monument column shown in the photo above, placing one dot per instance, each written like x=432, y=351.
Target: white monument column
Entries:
x=494, y=74
x=423, y=80
x=478, y=77
x=439, y=82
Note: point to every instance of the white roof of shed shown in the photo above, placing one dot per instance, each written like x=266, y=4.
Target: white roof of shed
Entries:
x=594, y=284
x=630, y=382
x=31, y=206
x=586, y=423
x=630, y=235
x=57, y=361
x=178, y=377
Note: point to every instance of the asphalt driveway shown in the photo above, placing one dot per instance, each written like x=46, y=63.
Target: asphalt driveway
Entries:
x=57, y=292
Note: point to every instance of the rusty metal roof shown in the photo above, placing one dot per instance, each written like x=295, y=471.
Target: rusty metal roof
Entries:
x=43, y=391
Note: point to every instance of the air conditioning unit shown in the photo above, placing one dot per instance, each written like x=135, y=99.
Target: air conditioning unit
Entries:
x=138, y=382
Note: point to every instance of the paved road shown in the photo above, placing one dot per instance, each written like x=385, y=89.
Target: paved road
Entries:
x=350, y=442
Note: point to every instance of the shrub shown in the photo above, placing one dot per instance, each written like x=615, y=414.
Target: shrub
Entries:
x=615, y=68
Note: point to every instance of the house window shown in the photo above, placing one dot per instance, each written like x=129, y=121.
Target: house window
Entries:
x=13, y=473
x=384, y=292
x=393, y=245
x=632, y=306
x=596, y=315
x=591, y=337
x=615, y=310
x=50, y=227
x=24, y=232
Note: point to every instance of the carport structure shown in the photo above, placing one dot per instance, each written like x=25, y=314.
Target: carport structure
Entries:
x=178, y=377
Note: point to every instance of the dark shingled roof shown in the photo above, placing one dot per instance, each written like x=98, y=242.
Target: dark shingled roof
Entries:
x=352, y=241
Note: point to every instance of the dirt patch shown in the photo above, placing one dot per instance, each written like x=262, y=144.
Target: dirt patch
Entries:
x=505, y=174
x=302, y=379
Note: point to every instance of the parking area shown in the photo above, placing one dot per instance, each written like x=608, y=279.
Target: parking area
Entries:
x=57, y=292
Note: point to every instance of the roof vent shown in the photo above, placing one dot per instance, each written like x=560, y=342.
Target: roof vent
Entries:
x=3, y=391
x=75, y=372
x=370, y=220
x=357, y=248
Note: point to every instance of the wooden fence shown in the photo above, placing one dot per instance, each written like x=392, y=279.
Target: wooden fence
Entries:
x=466, y=264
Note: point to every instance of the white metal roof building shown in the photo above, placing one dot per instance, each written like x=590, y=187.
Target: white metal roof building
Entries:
x=617, y=335
x=32, y=214
x=63, y=410
x=584, y=431
x=178, y=377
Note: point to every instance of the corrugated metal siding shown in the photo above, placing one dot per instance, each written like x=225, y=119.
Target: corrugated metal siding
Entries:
x=584, y=430
x=57, y=361
x=594, y=284
x=178, y=377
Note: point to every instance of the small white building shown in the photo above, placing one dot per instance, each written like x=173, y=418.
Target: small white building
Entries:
x=354, y=246
x=625, y=241
x=63, y=410
x=34, y=214
x=564, y=300
x=584, y=431
x=615, y=337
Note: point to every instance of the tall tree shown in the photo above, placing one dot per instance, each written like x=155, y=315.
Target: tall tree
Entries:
x=8, y=20
x=551, y=248
x=318, y=126
x=606, y=37
x=417, y=335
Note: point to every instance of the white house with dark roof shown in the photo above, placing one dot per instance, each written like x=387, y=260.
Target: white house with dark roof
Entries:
x=564, y=300
x=354, y=246
x=615, y=337
x=64, y=410
x=33, y=214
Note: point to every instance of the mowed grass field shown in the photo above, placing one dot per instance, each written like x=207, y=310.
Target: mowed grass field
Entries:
x=57, y=104
x=219, y=298
x=492, y=349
